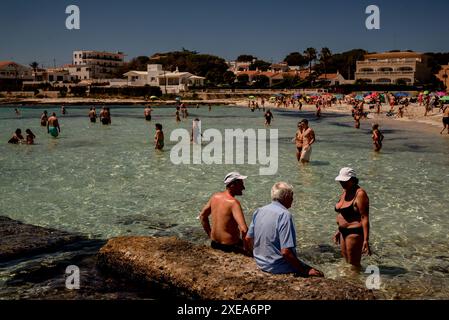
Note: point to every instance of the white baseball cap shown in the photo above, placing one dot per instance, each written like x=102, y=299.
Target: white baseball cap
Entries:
x=346, y=174
x=232, y=176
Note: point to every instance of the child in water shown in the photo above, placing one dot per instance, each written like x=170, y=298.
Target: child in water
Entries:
x=30, y=136
x=159, y=137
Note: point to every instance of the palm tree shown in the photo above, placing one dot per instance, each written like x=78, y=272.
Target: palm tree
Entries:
x=325, y=55
x=311, y=55
x=34, y=65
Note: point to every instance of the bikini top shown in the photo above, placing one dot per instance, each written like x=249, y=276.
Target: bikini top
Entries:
x=349, y=213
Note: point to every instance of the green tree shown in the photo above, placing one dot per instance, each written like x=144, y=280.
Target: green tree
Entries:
x=243, y=79
x=245, y=58
x=229, y=77
x=325, y=55
x=296, y=59
x=261, y=81
x=311, y=55
x=260, y=65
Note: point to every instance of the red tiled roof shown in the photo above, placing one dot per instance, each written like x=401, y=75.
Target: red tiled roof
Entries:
x=328, y=76
x=5, y=63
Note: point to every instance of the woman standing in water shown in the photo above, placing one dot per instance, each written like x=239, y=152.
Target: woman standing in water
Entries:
x=159, y=137
x=352, y=218
x=378, y=137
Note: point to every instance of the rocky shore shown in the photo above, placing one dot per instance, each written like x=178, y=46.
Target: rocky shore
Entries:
x=199, y=272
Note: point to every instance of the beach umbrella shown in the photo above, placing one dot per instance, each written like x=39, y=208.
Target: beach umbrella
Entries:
x=279, y=95
x=445, y=99
x=178, y=98
x=441, y=94
x=401, y=94
x=426, y=92
x=153, y=97
x=251, y=97
x=272, y=98
x=297, y=95
x=359, y=97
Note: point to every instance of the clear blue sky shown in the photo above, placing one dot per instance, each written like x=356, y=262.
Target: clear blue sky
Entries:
x=34, y=30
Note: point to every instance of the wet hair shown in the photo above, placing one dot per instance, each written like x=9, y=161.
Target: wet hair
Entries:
x=45, y=111
x=28, y=131
x=305, y=121
x=54, y=114
x=375, y=126
x=158, y=126
x=18, y=131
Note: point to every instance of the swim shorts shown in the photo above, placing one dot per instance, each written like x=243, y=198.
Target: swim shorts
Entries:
x=53, y=131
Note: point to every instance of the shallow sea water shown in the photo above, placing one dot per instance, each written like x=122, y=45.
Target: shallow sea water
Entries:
x=106, y=181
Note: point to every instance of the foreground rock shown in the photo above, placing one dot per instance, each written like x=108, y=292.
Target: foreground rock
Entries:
x=18, y=240
x=200, y=272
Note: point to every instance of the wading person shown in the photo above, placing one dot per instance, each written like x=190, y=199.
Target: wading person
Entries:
x=308, y=138
x=378, y=137
x=44, y=119
x=159, y=137
x=272, y=235
x=268, y=117
x=17, y=137
x=53, y=127
x=228, y=230
x=352, y=219
x=147, y=113
x=93, y=115
x=30, y=136
x=105, y=116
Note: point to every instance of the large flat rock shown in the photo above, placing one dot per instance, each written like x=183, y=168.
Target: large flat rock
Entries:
x=19, y=240
x=200, y=272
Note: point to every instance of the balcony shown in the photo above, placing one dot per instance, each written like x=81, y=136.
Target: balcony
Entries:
x=384, y=73
x=388, y=62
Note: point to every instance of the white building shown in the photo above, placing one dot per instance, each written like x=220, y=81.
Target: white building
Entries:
x=101, y=64
x=169, y=82
x=14, y=71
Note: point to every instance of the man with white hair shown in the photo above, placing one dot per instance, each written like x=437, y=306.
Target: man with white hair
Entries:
x=272, y=235
x=229, y=228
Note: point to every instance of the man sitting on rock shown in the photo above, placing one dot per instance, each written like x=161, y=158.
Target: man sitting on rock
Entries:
x=272, y=234
x=228, y=222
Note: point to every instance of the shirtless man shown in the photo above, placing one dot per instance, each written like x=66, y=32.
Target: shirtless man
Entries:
x=268, y=117
x=147, y=113
x=308, y=138
x=53, y=127
x=229, y=228
x=93, y=115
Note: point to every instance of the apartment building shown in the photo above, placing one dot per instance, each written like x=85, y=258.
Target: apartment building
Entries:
x=100, y=64
x=394, y=67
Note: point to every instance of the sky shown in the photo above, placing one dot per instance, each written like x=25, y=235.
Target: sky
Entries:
x=34, y=30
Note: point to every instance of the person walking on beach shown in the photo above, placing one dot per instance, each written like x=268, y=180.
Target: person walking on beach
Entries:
x=30, y=136
x=159, y=137
x=308, y=138
x=93, y=115
x=228, y=230
x=147, y=113
x=378, y=137
x=44, y=119
x=268, y=118
x=445, y=119
x=272, y=236
x=299, y=140
x=352, y=219
x=17, y=137
x=53, y=127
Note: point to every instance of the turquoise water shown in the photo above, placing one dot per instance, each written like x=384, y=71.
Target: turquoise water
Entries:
x=106, y=181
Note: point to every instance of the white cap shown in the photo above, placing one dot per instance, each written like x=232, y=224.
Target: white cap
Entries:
x=232, y=176
x=346, y=174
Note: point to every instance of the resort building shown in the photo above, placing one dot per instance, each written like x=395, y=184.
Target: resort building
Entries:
x=53, y=75
x=101, y=64
x=169, y=82
x=393, y=68
x=80, y=72
x=14, y=71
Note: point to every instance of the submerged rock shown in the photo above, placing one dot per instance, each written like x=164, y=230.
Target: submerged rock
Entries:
x=200, y=272
x=19, y=240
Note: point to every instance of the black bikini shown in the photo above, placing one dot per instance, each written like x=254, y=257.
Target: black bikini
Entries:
x=350, y=215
